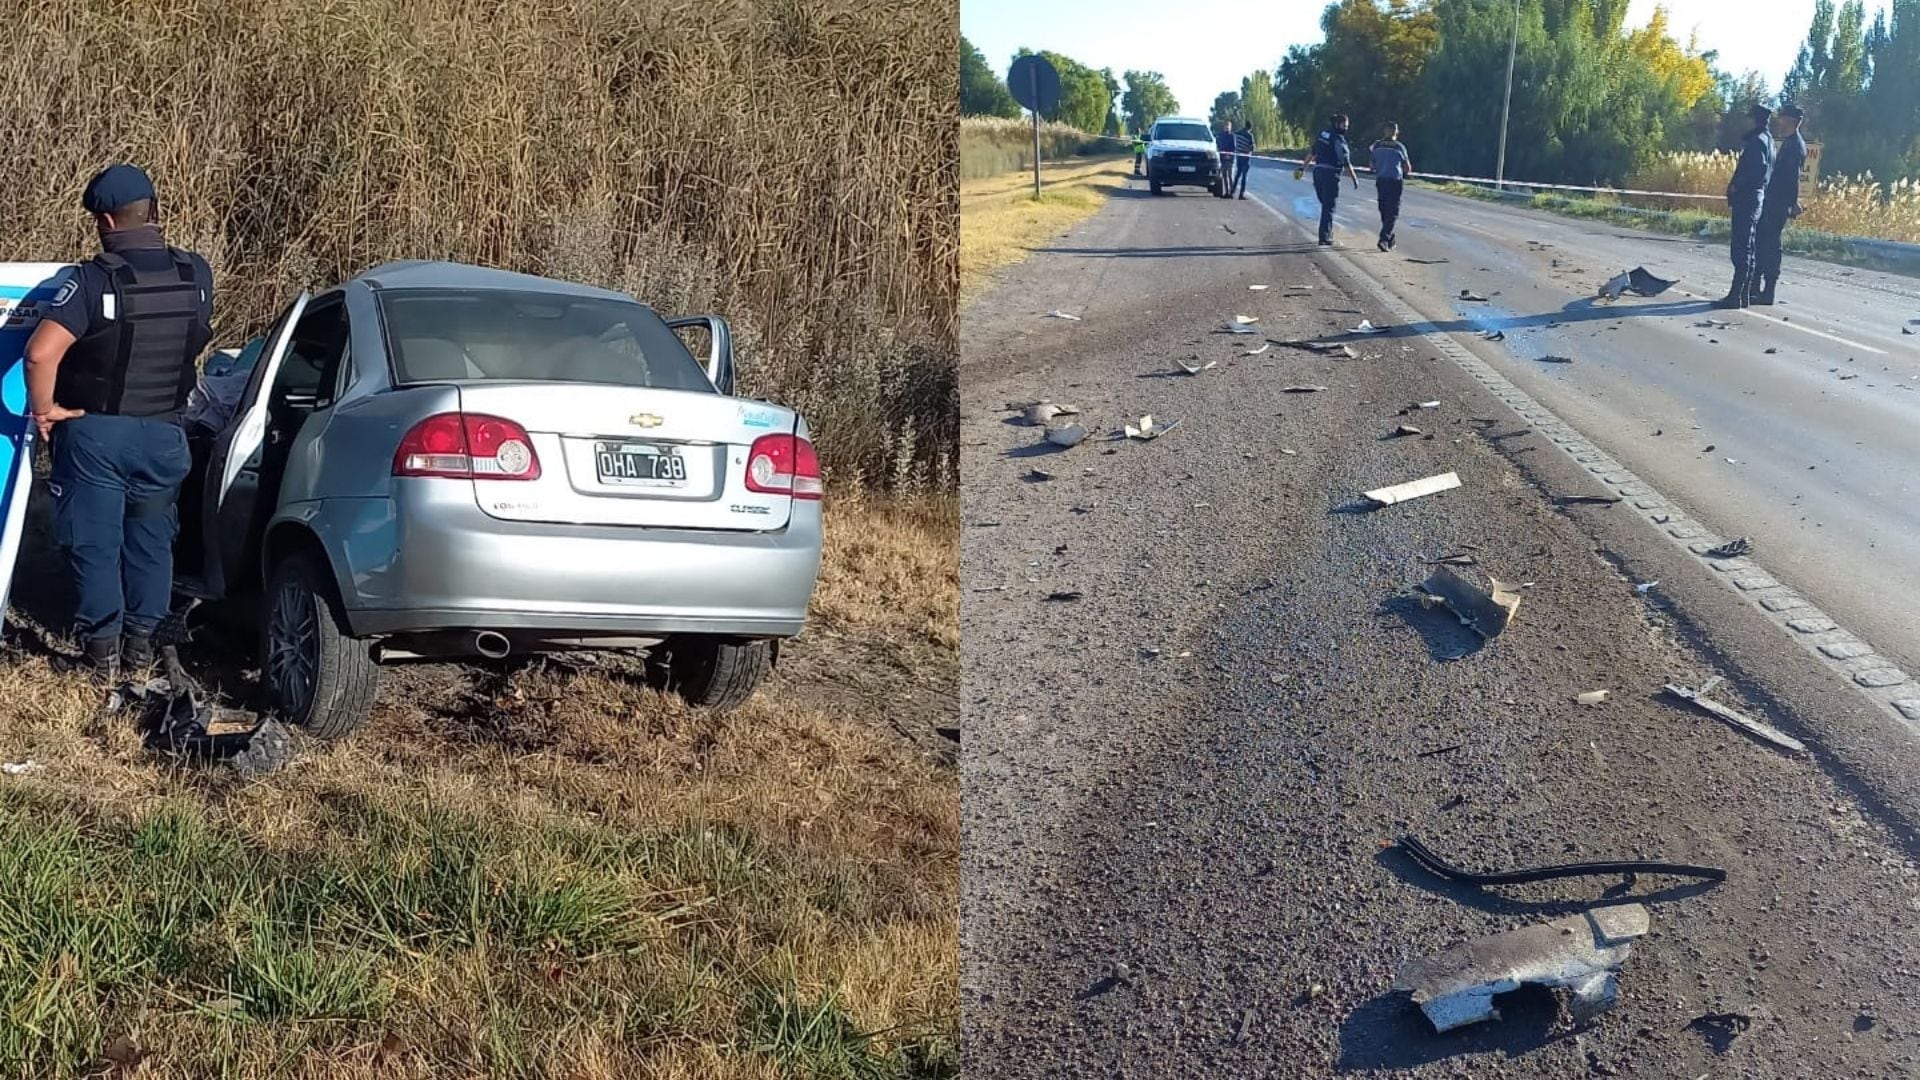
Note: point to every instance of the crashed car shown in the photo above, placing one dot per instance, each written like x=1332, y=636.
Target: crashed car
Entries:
x=435, y=461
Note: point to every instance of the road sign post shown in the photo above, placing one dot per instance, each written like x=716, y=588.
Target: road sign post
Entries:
x=1035, y=85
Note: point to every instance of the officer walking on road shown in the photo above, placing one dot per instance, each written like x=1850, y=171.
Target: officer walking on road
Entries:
x=108, y=371
x=1223, y=142
x=1242, y=160
x=1139, y=153
x=1782, y=202
x=1330, y=155
x=1391, y=165
x=1745, y=193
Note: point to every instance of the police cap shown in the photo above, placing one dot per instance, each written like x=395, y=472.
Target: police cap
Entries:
x=1759, y=111
x=116, y=186
x=1793, y=111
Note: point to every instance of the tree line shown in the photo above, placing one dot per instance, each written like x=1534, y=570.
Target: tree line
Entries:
x=1594, y=100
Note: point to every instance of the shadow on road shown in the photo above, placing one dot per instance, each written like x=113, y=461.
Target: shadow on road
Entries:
x=1445, y=637
x=1390, y=1033
x=1196, y=251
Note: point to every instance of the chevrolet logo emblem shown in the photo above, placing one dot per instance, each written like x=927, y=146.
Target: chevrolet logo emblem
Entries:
x=646, y=420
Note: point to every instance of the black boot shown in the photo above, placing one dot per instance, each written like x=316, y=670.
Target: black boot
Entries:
x=136, y=654
x=1736, y=296
x=99, y=661
x=1763, y=294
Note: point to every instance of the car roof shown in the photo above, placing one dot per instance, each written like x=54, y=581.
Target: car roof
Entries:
x=1181, y=120
x=425, y=274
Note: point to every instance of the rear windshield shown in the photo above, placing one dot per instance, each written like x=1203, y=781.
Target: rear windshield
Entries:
x=436, y=335
x=1183, y=132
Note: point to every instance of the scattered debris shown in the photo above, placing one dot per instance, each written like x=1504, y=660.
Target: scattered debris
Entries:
x=1844, y=378
x=1468, y=294
x=1771, y=350
x=1752, y=727
x=1258, y=351
x=1645, y=587
x=1062, y=597
x=1191, y=370
x=1583, y=500
x=1039, y=413
x=1732, y=549
x=1427, y=262
x=1426, y=405
x=1067, y=435
x=1367, y=327
x=1580, y=952
x=1713, y=324
x=1637, y=281
x=21, y=768
x=1236, y=328
x=1459, y=559
x=1426, y=857
x=1493, y=335
x=1592, y=697
x=1322, y=347
x=1056, y=314
x=1302, y=389
x=1441, y=750
x=1405, y=429
x=1414, y=489
x=1145, y=429
x=1039, y=476
x=1486, y=611
x=1550, y=358
x=1290, y=453
x=1245, y=320
x=1256, y=288
x=1721, y=1028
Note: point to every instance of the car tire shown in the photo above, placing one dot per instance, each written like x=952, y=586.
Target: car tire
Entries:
x=316, y=677
x=718, y=674
x=1153, y=186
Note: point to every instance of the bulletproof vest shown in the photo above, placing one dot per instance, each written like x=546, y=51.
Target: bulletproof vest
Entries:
x=140, y=362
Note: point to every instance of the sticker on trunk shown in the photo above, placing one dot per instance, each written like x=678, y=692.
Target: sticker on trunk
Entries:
x=758, y=418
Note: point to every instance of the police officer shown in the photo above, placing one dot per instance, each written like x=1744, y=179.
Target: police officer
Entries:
x=1745, y=193
x=1223, y=142
x=108, y=371
x=1330, y=154
x=1391, y=164
x=1242, y=160
x=1139, y=153
x=1782, y=202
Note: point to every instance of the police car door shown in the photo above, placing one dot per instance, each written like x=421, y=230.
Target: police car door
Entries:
x=233, y=469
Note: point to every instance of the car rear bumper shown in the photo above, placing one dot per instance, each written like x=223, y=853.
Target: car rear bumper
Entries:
x=432, y=560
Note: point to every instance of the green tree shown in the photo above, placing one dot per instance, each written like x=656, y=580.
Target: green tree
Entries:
x=1226, y=106
x=1086, y=95
x=982, y=93
x=1258, y=111
x=1147, y=98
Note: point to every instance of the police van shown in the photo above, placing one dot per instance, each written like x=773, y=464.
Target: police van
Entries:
x=1181, y=153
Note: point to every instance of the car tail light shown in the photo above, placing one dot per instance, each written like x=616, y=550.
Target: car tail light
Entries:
x=783, y=465
x=467, y=446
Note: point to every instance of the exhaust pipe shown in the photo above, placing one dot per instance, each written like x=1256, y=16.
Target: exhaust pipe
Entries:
x=491, y=644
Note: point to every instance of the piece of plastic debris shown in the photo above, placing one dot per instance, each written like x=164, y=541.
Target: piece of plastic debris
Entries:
x=1041, y=412
x=1367, y=327
x=1414, y=489
x=1057, y=314
x=1461, y=559
x=1550, y=358
x=1614, y=286
x=1236, y=328
x=1192, y=370
x=1713, y=324
x=1063, y=596
x=1844, y=378
x=1732, y=549
x=1258, y=351
x=1579, y=500
x=1469, y=294
x=1245, y=320
x=1067, y=435
x=1581, y=952
x=21, y=768
x=1493, y=335
x=1771, y=350
x=1289, y=453
x=1592, y=697
x=1645, y=284
x=1039, y=475
x=1486, y=611
x=1146, y=429
x=1302, y=389
x=1750, y=726
x=1405, y=429
x=1426, y=405
x=1256, y=288
x=1645, y=586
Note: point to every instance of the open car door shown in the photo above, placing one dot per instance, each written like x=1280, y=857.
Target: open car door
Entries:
x=719, y=361
x=233, y=468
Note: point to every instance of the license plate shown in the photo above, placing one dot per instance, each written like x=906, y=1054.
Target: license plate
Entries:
x=1188, y=168
x=634, y=465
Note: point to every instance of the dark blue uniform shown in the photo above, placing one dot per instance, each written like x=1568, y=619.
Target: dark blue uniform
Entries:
x=1783, y=194
x=1331, y=157
x=1745, y=195
x=1223, y=142
x=1242, y=161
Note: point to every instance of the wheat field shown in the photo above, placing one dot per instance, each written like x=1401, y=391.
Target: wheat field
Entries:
x=1840, y=205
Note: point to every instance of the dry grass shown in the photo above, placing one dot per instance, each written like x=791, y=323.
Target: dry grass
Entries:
x=790, y=163
x=1000, y=221
x=529, y=873
x=1842, y=205
x=991, y=146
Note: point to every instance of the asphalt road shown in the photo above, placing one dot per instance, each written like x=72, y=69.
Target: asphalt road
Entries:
x=1199, y=702
x=1824, y=431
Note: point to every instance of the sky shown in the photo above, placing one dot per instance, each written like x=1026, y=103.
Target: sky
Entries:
x=1204, y=55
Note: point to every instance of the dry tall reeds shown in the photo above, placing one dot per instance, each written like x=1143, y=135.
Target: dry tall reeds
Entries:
x=791, y=163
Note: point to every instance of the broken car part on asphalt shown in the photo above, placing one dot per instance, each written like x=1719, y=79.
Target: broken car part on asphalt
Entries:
x=1732, y=549
x=1581, y=953
x=1636, y=281
x=1145, y=429
x=1367, y=327
x=1414, y=489
x=1424, y=855
x=1581, y=500
x=1192, y=370
x=1486, y=611
x=1750, y=726
x=1067, y=435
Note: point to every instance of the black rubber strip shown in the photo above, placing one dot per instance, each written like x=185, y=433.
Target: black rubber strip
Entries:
x=1422, y=855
